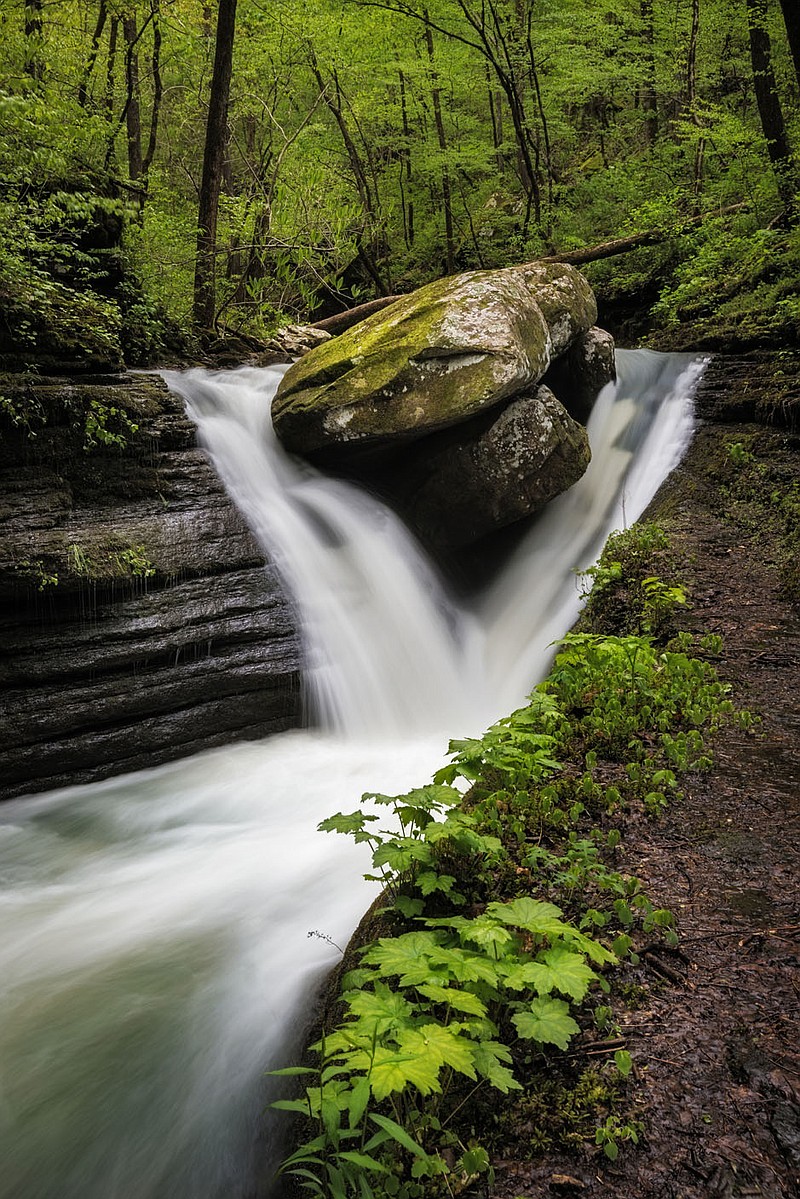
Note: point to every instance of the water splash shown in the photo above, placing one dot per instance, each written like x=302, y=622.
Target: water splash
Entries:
x=153, y=929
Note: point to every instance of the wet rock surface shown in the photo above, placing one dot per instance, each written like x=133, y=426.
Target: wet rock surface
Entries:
x=432, y=400
x=469, y=481
x=433, y=359
x=138, y=619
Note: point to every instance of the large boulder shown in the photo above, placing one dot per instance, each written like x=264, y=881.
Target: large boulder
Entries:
x=495, y=470
x=434, y=359
x=579, y=375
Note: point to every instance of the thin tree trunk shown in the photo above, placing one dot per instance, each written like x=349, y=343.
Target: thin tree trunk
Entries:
x=548, y=159
x=447, y=202
x=158, y=87
x=405, y=169
x=649, y=100
x=496, y=117
x=133, y=118
x=769, y=105
x=791, y=19
x=334, y=105
x=691, y=96
x=34, y=66
x=83, y=88
x=205, y=289
x=108, y=105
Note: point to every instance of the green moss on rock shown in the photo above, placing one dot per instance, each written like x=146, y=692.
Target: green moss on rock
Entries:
x=435, y=358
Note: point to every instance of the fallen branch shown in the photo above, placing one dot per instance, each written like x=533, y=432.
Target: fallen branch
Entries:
x=621, y=245
x=351, y=316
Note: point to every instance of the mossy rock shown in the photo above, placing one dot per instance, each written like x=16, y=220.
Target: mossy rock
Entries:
x=434, y=359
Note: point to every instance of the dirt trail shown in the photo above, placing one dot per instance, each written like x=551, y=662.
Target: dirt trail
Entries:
x=716, y=1038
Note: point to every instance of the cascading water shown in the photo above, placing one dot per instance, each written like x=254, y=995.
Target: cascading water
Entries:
x=154, y=948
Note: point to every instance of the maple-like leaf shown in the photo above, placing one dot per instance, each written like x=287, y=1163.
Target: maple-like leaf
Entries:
x=379, y=1005
x=461, y=1001
x=490, y=1058
x=438, y=1044
x=393, y=1070
x=548, y=1021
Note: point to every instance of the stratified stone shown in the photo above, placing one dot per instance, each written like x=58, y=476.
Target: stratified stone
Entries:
x=138, y=618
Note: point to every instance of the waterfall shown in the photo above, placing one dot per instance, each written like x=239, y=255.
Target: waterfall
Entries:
x=154, y=929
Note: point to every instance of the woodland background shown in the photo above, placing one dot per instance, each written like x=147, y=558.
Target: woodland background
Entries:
x=347, y=150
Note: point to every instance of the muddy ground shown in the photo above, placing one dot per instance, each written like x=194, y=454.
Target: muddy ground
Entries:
x=715, y=1030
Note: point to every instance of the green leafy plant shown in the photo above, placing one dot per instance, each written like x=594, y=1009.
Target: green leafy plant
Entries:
x=481, y=970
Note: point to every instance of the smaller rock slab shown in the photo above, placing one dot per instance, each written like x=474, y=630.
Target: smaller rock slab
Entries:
x=484, y=476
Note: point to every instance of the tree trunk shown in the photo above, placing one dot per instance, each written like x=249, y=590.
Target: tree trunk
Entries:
x=108, y=104
x=791, y=19
x=405, y=169
x=133, y=116
x=83, y=88
x=333, y=102
x=213, y=161
x=34, y=66
x=447, y=203
x=769, y=105
x=158, y=87
x=649, y=101
x=691, y=96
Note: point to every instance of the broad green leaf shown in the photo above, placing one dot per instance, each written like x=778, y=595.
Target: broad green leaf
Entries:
x=429, y=881
x=412, y=956
x=394, y=1070
x=380, y=1004
x=534, y=915
x=461, y=1001
x=401, y=853
x=547, y=1021
x=525, y=976
x=439, y=1046
x=568, y=973
x=490, y=1057
x=488, y=933
x=351, y=823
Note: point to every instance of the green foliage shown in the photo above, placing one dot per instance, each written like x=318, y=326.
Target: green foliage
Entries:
x=484, y=973
x=626, y=592
x=342, y=181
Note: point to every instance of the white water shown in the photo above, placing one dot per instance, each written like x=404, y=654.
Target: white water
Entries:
x=154, y=948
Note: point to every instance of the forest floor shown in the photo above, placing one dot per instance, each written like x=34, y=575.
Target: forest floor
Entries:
x=714, y=1030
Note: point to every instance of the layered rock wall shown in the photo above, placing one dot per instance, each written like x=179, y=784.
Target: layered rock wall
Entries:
x=138, y=619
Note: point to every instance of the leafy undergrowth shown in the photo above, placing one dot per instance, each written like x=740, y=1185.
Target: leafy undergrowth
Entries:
x=486, y=1016
x=759, y=493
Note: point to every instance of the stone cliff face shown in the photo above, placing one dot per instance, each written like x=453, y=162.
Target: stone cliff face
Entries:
x=138, y=619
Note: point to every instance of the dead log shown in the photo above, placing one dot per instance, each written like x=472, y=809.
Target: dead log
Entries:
x=621, y=245
x=351, y=316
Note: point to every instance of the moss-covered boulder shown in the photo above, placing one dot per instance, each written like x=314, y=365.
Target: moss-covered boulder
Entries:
x=493, y=471
x=434, y=359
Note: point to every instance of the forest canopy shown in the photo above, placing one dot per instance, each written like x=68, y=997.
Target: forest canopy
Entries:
x=364, y=147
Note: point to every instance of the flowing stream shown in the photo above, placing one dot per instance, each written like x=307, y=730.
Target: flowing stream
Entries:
x=161, y=932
